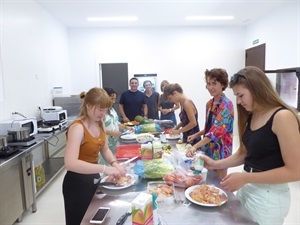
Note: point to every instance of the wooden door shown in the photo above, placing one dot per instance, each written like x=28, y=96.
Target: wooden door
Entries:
x=256, y=56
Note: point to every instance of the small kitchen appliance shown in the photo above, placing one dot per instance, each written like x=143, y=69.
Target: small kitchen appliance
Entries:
x=30, y=123
x=54, y=114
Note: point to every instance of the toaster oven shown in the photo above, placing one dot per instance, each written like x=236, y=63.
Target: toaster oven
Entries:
x=30, y=123
x=54, y=115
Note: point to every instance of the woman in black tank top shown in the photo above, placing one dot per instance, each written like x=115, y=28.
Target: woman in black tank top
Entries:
x=269, y=134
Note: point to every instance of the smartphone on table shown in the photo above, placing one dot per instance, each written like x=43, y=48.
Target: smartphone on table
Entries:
x=100, y=215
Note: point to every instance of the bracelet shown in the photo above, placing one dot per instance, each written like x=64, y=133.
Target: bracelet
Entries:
x=104, y=168
x=112, y=162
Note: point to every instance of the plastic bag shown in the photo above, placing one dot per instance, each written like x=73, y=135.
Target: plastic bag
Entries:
x=153, y=169
x=183, y=176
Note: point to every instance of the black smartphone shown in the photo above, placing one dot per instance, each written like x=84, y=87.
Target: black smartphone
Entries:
x=100, y=215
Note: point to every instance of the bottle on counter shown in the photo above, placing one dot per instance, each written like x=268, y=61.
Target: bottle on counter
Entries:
x=198, y=162
x=155, y=206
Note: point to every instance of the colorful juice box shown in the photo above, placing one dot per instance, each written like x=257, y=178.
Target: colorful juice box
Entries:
x=142, y=210
x=146, y=151
x=157, y=150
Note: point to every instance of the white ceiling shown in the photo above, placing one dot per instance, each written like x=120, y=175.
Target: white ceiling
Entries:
x=73, y=13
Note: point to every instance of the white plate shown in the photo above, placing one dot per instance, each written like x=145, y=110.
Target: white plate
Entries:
x=128, y=136
x=119, y=187
x=173, y=137
x=190, y=189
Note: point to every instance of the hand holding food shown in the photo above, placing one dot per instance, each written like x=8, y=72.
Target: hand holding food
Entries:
x=191, y=138
x=190, y=151
x=174, y=132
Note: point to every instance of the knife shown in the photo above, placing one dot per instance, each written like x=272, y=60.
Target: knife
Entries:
x=123, y=218
x=129, y=160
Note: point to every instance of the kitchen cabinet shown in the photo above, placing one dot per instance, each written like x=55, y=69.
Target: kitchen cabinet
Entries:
x=18, y=189
x=52, y=157
x=28, y=182
x=11, y=189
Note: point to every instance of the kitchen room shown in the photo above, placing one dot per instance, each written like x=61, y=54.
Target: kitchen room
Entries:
x=38, y=53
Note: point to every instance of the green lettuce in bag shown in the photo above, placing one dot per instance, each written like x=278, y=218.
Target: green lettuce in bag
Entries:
x=153, y=169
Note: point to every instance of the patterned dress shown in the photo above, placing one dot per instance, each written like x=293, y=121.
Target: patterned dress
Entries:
x=220, y=129
x=111, y=122
x=185, y=120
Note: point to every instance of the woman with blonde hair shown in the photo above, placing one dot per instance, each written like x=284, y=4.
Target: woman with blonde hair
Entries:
x=85, y=139
x=269, y=133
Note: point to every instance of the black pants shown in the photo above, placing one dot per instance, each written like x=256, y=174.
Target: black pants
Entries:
x=78, y=191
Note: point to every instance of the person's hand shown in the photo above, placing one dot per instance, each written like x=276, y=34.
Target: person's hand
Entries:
x=209, y=163
x=116, y=170
x=164, y=111
x=116, y=133
x=121, y=168
x=232, y=182
x=174, y=132
x=191, y=138
x=190, y=152
x=125, y=120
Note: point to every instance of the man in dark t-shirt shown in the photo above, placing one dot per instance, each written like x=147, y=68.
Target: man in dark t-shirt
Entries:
x=132, y=102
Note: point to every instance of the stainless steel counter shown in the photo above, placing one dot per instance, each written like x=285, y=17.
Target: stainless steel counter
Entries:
x=16, y=156
x=232, y=212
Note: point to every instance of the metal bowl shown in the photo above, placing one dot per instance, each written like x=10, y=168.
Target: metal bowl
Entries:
x=3, y=141
x=19, y=134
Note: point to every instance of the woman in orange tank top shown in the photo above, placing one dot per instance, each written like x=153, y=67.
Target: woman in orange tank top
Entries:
x=85, y=139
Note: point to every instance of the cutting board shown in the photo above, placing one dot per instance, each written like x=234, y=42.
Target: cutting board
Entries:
x=128, y=151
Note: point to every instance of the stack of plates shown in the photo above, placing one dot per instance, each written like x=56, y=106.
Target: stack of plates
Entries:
x=128, y=138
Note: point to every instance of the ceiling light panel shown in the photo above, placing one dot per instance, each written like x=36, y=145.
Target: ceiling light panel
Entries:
x=120, y=18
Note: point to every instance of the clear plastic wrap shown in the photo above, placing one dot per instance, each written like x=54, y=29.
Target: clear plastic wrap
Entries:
x=153, y=169
x=183, y=176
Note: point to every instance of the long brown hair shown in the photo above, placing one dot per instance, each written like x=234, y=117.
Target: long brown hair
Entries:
x=94, y=97
x=262, y=91
x=170, y=88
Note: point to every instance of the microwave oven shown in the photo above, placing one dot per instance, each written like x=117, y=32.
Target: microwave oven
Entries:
x=31, y=123
x=54, y=115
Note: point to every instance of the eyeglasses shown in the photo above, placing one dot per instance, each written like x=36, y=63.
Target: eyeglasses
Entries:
x=235, y=77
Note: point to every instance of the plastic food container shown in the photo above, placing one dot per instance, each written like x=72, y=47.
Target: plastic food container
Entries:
x=144, y=138
x=128, y=151
x=164, y=192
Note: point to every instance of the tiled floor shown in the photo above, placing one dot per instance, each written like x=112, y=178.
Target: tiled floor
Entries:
x=51, y=208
